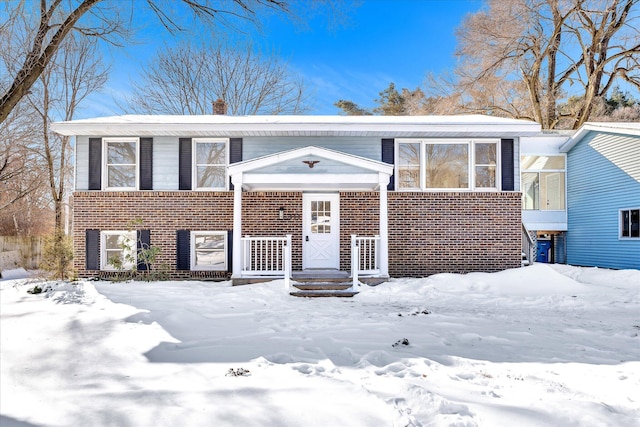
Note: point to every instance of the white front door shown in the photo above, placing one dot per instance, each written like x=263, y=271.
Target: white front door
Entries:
x=321, y=231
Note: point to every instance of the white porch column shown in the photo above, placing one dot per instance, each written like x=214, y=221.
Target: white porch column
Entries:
x=237, y=225
x=384, y=226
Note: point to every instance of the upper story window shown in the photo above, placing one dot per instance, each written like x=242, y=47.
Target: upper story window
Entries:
x=210, y=158
x=430, y=164
x=630, y=223
x=543, y=182
x=121, y=160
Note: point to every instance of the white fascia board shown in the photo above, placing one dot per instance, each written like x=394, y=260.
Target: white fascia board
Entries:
x=621, y=128
x=361, y=162
x=163, y=125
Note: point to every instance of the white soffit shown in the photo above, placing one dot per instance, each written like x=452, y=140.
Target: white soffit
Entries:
x=239, y=126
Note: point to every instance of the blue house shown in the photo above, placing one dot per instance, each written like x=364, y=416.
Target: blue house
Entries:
x=603, y=196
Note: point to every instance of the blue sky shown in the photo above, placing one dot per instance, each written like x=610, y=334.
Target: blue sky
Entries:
x=385, y=41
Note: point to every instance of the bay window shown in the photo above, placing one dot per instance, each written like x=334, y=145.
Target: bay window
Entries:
x=432, y=164
x=543, y=182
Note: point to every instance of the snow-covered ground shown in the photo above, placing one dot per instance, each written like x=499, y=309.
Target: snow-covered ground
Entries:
x=537, y=346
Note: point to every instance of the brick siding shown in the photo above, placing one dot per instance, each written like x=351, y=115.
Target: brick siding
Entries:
x=428, y=232
x=453, y=232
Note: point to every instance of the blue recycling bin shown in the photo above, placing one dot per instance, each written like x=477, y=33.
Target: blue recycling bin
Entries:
x=544, y=251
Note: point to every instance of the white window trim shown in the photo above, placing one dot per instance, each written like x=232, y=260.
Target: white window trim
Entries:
x=105, y=169
x=471, y=166
x=194, y=164
x=104, y=265
x=192, y=249
x=539, y=171
x=620, y=236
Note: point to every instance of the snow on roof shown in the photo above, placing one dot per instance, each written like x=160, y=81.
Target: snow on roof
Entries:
x=224, y=125
x=622, y=128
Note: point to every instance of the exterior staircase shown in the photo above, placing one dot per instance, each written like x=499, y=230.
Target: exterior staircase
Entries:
x=322, y=283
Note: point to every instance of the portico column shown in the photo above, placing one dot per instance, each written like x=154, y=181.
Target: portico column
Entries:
x=237, y=225
x=384, y=226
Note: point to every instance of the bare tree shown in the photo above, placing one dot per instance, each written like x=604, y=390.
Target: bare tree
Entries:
x=524, y=58
x=108, y=20
x=188, y=79
x=74, y=73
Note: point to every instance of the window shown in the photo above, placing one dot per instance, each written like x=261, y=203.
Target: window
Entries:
x=321, y=217
x=119, y=250
x=447, y=164
x=210, y=163
x=543, y=182
x=630, y=223
x=208, y=250
x=121, y=158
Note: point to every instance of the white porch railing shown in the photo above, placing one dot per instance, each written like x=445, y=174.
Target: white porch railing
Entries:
x=365, y=253
x=267, y=256
x=528, y=246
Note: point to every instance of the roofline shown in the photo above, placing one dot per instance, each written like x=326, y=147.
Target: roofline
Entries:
x=621, y=128
x=303, y=125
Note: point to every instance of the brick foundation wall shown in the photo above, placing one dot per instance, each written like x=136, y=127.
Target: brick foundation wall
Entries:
x=162, y=212
x=428, y=232
x=453, y=232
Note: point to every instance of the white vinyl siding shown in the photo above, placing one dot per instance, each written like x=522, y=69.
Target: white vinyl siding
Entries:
x=82, y=163
x=369, y=148
x=165, y=164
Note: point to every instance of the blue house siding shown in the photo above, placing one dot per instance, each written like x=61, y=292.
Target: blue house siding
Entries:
x=600, y=183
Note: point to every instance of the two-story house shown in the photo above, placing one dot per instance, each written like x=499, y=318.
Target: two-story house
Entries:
x=226, y=196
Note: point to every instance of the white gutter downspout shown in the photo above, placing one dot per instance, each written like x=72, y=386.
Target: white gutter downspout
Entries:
x=237, y=226
x=384, y=226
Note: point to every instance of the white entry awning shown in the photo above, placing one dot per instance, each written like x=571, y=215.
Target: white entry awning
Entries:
x=310, y=168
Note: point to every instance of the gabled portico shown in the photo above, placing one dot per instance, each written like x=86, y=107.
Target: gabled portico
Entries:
x=316, y=172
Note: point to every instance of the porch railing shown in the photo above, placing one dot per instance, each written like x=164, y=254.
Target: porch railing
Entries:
x=365, y=253
x=528, y=247
x=267, y=256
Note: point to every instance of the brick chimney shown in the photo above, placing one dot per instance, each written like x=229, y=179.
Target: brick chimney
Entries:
x=219, y=107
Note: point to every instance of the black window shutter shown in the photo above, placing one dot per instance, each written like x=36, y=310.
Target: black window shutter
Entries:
x=95, y=163
x=92, y=249
x=388, y=156
x=230, y=251
x=184, y=162
x=508, y=167
x=144, y=242
x=146, y=163
x=235, y=154
x=183, y=250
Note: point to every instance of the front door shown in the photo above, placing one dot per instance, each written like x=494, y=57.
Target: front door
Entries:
x=321, y=231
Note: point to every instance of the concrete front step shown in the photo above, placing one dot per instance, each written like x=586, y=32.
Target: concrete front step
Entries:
x=323, y=293
x=322, y=286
